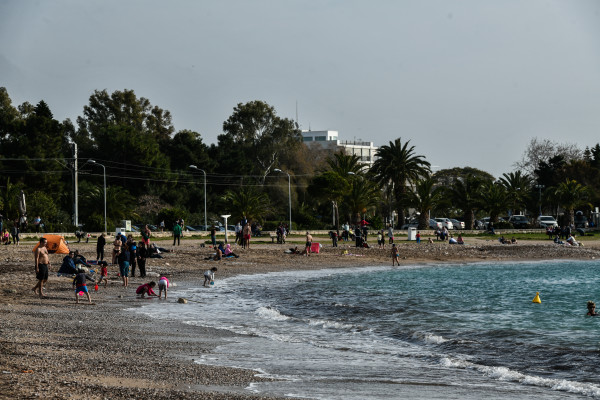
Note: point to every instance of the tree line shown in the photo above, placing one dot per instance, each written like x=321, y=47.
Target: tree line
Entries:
x=149, y=178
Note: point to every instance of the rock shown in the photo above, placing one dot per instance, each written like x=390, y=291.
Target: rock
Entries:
x=182, y=300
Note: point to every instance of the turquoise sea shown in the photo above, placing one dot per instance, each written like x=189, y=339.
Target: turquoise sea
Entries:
x=430, y=331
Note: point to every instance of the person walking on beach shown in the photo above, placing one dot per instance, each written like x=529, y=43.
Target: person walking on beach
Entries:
x=100, y=247
x=177, y=234
x=42, y=264
x=395, y=255
x=391, y=234
x=103, y=272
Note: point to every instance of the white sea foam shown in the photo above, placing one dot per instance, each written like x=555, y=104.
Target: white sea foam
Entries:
x=509, y=375
x=429, y=338
x=271, y=313
x=329, y=324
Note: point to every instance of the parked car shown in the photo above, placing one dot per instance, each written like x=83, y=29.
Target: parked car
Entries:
x=545, y=221
x=483, y=223
x=519, y=221
x=433, y=224
x=580, y=220
x=446, y=223
x=412, y=224
x=190, y=228
x=457, y=224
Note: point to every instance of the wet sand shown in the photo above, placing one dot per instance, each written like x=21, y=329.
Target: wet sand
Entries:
x=52, y=348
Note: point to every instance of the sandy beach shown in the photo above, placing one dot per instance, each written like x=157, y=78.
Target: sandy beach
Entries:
x=53, y=348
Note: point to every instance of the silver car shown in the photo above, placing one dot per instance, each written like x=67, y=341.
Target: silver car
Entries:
x=446, y=223
x=545, y=221
x=457, y=224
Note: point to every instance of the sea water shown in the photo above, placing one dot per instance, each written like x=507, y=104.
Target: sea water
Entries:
x=430, y=331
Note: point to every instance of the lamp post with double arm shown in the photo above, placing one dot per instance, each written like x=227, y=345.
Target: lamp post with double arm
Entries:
x=204, y=172
x=289, y=194
x=104, y=171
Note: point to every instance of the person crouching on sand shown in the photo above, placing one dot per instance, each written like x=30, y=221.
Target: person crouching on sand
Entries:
x=209, y=275
x=80, y=286
x=163, y=285
x=395, y=255
x=146, y=289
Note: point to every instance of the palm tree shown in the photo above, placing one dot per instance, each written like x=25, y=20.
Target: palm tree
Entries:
x=398, y=166
x=333, y=184
x=571, y=194
x=247, y=201
x=424, y=197
x=343, y=164
x=362, y=196
x=518, y=187
x=464, y=194
x=494, y=199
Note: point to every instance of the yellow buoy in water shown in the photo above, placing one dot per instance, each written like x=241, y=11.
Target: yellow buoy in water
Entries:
x=536, y=299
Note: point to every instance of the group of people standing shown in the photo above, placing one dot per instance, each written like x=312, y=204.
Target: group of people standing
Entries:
x=243, y=233
x=127, y=253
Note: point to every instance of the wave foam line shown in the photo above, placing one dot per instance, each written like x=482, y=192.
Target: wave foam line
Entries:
x=508, y=375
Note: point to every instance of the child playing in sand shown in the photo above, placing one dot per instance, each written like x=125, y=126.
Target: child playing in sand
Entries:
x=103, y=272
x=209, y=275
x=163, y=284
x=395, y=255
x=146, y=289
x=80, y=286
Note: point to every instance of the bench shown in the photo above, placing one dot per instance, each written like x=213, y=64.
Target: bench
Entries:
x=273, y=236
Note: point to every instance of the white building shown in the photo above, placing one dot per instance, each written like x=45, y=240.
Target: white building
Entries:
x=329, y=140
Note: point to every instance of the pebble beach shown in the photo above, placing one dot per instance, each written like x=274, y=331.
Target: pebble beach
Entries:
x=53, y=348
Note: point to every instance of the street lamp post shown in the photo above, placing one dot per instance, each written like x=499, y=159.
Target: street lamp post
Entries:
x=104, y=171
x=204, y=172
x=540, y=187
x=289, y=194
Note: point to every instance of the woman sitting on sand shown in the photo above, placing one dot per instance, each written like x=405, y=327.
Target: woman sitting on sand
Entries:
x=571, y=240
x=591, y=306
x=5, y=237
x=228, y=252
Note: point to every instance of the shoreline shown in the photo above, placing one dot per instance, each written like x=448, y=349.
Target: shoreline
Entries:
x=100, y=351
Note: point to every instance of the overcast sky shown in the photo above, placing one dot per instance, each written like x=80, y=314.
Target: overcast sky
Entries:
x=468, y=82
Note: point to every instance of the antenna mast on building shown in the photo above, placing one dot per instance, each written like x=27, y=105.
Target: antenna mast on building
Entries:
x=297, y=123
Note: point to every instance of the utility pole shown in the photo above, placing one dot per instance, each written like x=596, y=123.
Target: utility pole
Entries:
x=75, y=202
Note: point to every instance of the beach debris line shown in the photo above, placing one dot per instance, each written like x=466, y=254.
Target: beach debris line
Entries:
x=536, y=299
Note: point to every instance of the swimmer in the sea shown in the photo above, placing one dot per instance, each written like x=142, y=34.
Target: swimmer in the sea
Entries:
x=591, y=306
